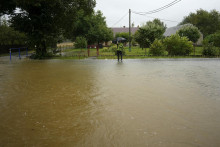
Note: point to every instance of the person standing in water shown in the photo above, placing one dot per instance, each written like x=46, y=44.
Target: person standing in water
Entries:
x=120, y=50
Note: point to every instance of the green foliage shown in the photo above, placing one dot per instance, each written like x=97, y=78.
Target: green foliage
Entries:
x=191, y=32
x=158, y=22
x=44, y=21
x=149, y=32
x=8, y=36
x=207, y=22
x=157, y=48
x=208, y=48
x=98, y=31
x=80, y=42
x=176, y=45
x=214, y=38
x=133, y=42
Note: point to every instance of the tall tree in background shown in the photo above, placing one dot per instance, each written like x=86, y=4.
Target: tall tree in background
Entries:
x=191, y=32
x=45, y=20
x=149, y=32
x=98, y=31
x=207, y=22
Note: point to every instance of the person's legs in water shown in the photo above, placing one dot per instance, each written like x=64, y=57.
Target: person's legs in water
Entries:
x=118, y=54
x=121, y=55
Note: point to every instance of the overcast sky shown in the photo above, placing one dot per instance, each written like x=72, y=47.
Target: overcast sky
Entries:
x=113, y=10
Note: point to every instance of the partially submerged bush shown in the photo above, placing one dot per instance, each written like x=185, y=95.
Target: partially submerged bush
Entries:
x=157, y=48
x=176, y=45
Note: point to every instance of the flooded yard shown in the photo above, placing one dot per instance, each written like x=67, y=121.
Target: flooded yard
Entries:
x=103, y=103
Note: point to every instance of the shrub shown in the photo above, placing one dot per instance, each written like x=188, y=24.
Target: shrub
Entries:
x=157, y=48
x=209, y=49
x=176, y=45
x=80, y=42
x=215, y=39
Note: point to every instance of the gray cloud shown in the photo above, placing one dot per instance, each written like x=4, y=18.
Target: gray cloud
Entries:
x=113, y=10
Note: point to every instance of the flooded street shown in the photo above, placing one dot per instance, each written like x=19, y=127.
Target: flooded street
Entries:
x=103, y=103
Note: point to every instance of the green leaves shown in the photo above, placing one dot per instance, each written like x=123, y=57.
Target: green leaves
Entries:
x=207, y=22
x=80, y=42
x=8, y=36
x=157, y=48
x=176, y=45
x=191, y=32
x=149, y=32
x=44, y=21
x=98, y=31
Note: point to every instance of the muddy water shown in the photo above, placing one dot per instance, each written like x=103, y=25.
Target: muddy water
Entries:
x=152, y=102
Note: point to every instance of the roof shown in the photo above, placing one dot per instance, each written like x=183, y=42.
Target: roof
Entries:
x=173, y=30
x=124, y=29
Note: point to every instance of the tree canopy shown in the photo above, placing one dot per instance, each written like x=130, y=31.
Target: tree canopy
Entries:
x=207, y=22
x=45, y=20
x=98, y=31
x=149, y=32
x=214, y=38
x=191, y=32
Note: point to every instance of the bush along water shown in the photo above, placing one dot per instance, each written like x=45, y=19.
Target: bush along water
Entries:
x=157, y=48
x=209, y=49
x=178, y=46
x=211, y=43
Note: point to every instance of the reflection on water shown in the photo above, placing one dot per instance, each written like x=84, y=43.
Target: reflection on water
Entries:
x=152, y=102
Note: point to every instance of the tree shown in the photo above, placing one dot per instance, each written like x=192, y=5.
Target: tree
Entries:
x=44, y=21
x=160, y=23
x=207, y=22
x=80, y=42
x=10, y=38
x=98, y=31
x=149, y=32
x=176, y=45
x=191, y=32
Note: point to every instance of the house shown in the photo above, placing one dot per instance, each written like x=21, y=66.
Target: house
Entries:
x=168, y=32
x=173, y=30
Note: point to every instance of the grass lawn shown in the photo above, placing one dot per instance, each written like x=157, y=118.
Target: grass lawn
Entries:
x=107, y=53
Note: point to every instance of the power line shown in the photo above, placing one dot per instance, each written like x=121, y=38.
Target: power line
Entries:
x=159, y=9
x=120, y=19
x=159, y=18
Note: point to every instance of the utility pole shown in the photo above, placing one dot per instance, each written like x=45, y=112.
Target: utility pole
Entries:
x=129, y=30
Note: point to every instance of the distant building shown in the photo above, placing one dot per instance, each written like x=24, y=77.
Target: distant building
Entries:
x=173, y=30
x=168, y=32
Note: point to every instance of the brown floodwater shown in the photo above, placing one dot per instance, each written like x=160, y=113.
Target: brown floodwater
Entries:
x=103, y=103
